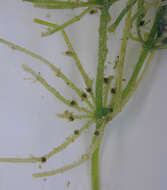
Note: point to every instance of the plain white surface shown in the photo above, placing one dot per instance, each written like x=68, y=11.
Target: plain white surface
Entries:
x=133, y=154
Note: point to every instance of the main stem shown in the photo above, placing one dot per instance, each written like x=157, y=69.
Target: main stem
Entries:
x=95, y=175
x=102, y=55
x=95, y=170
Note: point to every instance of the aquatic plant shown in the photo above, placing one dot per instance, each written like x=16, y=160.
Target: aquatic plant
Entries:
x=104, y=101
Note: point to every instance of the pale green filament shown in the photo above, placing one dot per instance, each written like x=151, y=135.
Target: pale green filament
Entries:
x=106, y=90
x=53, y=90
x=59, y=148
x=98, y=111
x=69, y=22
x=62, y=4
x=69, y=140
x=85, y=76
x=53, y=67
x=71, y=117
x=83, y=158
x=121, y=62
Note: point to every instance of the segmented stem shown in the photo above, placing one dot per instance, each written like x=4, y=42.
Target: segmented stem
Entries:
x=102, y=55
x=139, y=19
x=69, y=140
x=21, y=160
x=54, y=91
x=71, y=117
x=106, y=90
x=148, y=45
x=116, y=100
x=83, y=158
x=56, y=70
x=95, y=173
x=59, y=148
x=62, y=4
x=137, y=83
x=100, y=114
x=63, y=26
x=84, y=75
x=125, y=10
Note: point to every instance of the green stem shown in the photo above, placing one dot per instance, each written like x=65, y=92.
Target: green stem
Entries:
x=137, y=69
x=139, y=19
x=62, y=4
x=121, y=16
x=120, y=71
x=148, y=45
x=102, y=55
x=137, y=83
x=95, y=174
x=69, y=22
x=95, y=170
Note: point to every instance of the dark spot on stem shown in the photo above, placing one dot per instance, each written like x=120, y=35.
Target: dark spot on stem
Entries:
x=96, y=133
x=106, y=80
x=84, y=95
x=73, y=103
x=69, y=53
x=43, y=159
x=110, y=110
x=71, y=118
x=141, y=22
x=89, y=90
x=93, y=11
x=76, y=132
x=113, y=90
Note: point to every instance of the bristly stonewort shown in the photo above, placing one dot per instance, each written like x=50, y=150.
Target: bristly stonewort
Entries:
x=102, y=98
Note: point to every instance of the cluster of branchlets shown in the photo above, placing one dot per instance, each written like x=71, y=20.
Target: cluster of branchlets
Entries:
x=156, y=38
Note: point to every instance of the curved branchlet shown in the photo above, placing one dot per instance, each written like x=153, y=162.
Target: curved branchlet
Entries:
x=54, y=91
x=107, y=87
x=102, y=56
x=69, y=139
x=115, y=102
x=55, y=4
x=71, y=117
x=130, y=4
x=56, y=70
x=67, y=23
x=95, y=144
x=59, y=148
x=140, y=19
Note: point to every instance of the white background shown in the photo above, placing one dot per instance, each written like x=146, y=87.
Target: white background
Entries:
x=133, y=154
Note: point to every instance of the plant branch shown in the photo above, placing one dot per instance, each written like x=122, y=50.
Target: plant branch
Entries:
x=83, y=158
x=113, y=27
x=54, y=91
x=116, y=99
x=106, y=90
x=49, y=4
x=148, y=45
x=69, y=22
x=102, y=55
x=56, y=70
x=137, y=83
x=59, y=148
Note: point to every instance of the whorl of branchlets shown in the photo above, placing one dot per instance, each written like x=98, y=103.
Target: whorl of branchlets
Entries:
x=162, y=27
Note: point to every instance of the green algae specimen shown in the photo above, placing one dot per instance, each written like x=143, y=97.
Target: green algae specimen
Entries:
x=101, y=107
